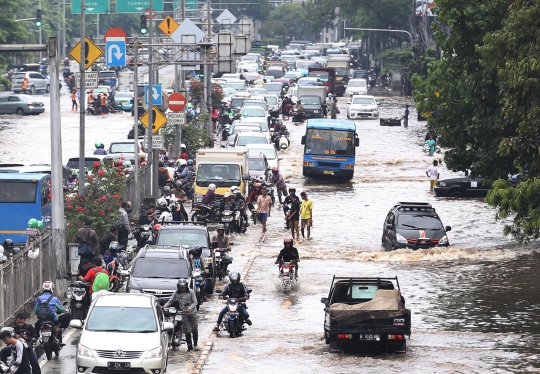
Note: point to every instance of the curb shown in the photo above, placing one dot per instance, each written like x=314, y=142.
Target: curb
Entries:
x=203, y=357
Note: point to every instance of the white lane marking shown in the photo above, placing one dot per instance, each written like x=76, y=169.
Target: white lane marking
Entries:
x=64, y=339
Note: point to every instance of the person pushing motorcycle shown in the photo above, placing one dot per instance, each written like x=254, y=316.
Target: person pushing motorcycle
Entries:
x=184, y=299
x=288, y=254
x=237, y=290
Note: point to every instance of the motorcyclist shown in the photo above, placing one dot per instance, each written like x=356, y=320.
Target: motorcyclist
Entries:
x=27, y=332
x=277, y=180
x=149, y=218
x=226, y=203
x=224, y=243
x=183, y=152
x=299, y=109
x=163, y=206
x=238, y=290
x=240, y=204
x=9, y=247
x=282, y=132
x=288, y=201
x=47, y=306
x=185, y=174
x=254, y=194
x=100, y=149
x=178, y=191
x=287, y=254
x=168, y=195
x=184, y=299
x=208, y=198
x=18, y=350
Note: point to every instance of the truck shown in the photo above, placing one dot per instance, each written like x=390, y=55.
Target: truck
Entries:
x=342, y=64
x=328, y=77
x=364, y=313
x=224, y=168
x=313, y=98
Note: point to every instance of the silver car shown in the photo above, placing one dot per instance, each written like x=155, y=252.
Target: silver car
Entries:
x=20, y=104
x=124, y=333
x=36, y=82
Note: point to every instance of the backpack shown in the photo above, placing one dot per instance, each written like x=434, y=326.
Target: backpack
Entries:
x=85, y=249
x=44, y=313
x=162, y=179
x=101, y=281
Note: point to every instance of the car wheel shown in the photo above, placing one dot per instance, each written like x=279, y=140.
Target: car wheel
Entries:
x=32, y=90
x=48, y=88
x=455, y=194
x=20, y=111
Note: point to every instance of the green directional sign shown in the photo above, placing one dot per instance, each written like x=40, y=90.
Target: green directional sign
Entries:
x=190, y=4
x=91, y=6
x=138, y=6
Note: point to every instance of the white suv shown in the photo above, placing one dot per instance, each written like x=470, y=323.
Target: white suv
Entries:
x=124, y=333
x=362, y=106
x=36, y=82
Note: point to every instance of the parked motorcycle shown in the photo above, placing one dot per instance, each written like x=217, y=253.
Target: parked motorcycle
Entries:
x=78, y=304
x=116, y=268
x=297, y=118
x=175, y=316
x=234, y=321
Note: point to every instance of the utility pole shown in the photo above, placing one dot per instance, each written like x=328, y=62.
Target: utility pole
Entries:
x=82, y=102
x=64, y=31
x=207, y=73
x=137, y=200
x=154, y=159
x=40, y=33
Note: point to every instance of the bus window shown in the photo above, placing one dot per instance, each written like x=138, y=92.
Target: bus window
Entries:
x=330, y=142
x=46, y=193
x=18, y=192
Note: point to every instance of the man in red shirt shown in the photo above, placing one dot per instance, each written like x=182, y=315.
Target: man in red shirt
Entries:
x=183, y=152
x=91, y=274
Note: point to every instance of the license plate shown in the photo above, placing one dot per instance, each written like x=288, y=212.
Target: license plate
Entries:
x=46, y=333
x=368, y=336
x=329, y=172
x=167, y=319
x=364, y=115
x=119, y=365
x=178, y=317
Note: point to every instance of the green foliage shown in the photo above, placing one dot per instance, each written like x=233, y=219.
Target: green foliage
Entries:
x=100, y=201
x=287, y=21
x=407, y=61
x=197, y=91
x=5, y=83
x=194, y=134
x=259, y=11
x=459, y=96
x=522, y=202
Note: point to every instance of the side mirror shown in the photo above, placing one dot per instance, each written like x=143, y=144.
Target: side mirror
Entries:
x=168, y=326
x=324, y=300
x=76, y=323
x=356, y=142
x=249, y=291
x=214, y=245
x=303, y=141
x=280, y=158
x=448, y=228
x=388, y=226
x=348, y=102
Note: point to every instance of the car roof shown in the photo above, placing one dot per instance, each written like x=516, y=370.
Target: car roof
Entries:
x=338, y=124
x=125, y=300
x=261, y=146
x=414, y=208
x=256, y=155
x=251, y=134
x=184, y=227
x=22, y=176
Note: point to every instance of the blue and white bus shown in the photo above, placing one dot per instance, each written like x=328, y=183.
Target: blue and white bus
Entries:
x=22, y=197
x=330, y=148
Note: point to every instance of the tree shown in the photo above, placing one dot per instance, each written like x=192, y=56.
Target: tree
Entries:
x=460, y=97
x=259, y=11
x=287, y=20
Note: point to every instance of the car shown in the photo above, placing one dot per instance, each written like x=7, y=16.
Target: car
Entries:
x=228, y=93
x=254, y=102
x=461, y=187
x=237, y=84
x=269, y=152
x=105, y=76
x=294, y=75
x=123, y=146
x=258, y=165
x=36, y=82
x=125, y=99
x=98, y=90
x=73, y=162
x=20, y=104
x=308, y=81
x=292, y=94
x=244, y=138
x=356, y=86
x=362, y=106
x=191, y=235
x=413, y=225
x=253, y=113
x=275, y=71
x=257, y=91
x=156, y=270
x=124, y=333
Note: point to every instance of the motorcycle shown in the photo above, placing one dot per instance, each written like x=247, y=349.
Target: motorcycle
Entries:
x=78, y=304
x=116, y=268
x=142, y=234
x=4, y=369
x=253, y=209
x=175, y=316
x=372, y=80
x=239, y=224
x=234, y=321
x=297, y=117
x=283, y=142
x=199, y=285
x=227, y=218
x=205, y=213
x=220, y=264
x=287, y=276
x=48, y=338
x=225, y=131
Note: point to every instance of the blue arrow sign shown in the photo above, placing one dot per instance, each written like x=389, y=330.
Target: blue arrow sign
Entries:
x=157, y=98
x=115, y=53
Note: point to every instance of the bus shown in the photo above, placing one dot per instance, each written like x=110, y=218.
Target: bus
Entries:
x=23, y=196
x=330, y=148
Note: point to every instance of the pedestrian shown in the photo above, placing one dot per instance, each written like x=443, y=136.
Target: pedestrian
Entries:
x=123, y=225
x=306, y=214
x=104, y=104
x=87, y=239
x=294, y=215
x=91, y=275
x=406, y=117
x=215, y=117
x=285, y=107
x=431, y=144
x=27, y=332
x=277, y=180
x=105, y=242
x=433, y=175
x=334, y=111
x=264, y=203
x=24, y=85
x=19, y=362
x=74, y=105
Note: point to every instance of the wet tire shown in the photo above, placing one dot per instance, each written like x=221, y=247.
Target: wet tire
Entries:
x=455, y=194
x=20, y=111
x=48, y=88
x=227, y=229
x=231, y=329
x=48, y=352
x=32, y=90
x=114, y=286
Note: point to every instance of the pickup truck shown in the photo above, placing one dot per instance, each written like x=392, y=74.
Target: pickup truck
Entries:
x=366, y=313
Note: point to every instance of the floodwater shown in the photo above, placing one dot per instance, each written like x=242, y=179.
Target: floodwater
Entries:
x=474, y=304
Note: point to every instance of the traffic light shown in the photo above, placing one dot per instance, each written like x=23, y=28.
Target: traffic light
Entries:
x=144, y=28
x=38, y=18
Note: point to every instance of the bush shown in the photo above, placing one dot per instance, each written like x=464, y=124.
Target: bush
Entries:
x=196, y=91
x=193, y=136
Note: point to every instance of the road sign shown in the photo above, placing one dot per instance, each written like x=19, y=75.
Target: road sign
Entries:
x=157, y=98
x=158, y=119
x=189, y=4
x=226, y=18
x=176, y=118
x=139, y=6
x=147, y=13
x=115, y=32
x=158, y=141
x=187, y=28
x=90, y=7
x=164, y=105
x=115, y=53
x=91, y=50
x=168, y=25
x=177, y=102
x=90, y=79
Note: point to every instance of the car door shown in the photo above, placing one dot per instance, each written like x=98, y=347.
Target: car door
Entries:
x=13, y=103
x=3, y=104
x=164, y=337
x=389, y=232
x=475, y=188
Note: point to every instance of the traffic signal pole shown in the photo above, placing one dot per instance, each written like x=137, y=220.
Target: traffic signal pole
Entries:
x=82, y=102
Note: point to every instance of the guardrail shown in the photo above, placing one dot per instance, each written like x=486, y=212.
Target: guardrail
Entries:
x=144, y=190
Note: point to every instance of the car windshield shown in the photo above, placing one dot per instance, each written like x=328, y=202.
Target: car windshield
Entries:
x=363, y=100
x=236, y=85
x=256, y=164
x=263, y=126
x=361, y=83
x=330, y=142
x=124, y=95
x=107, y=74
x=238, y=129
x=244, y=140
x=261, y=104
x=255, y=111
x=237, y=103
x=132, y=320
x=269, y=153
x=272, y=87
x=341, y=71
x=122, y=148
x=74, y=163
x=271, y=100
x=419, y=222
x=228, y=91
x=222, y=175
x=151, y=267
x=190, y=238
x=311, y=100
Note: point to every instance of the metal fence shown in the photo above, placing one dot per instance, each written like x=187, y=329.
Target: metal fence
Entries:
x=144, y=190
x=21, y=278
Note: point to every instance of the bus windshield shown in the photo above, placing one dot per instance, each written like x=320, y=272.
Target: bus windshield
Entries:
x=330, y=142
x=17, y=192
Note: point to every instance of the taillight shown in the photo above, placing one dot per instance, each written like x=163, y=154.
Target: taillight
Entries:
x=396, y=337
x=344, y=336
x=30, y=104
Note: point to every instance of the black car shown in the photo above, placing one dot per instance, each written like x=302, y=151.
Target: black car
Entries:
x=156, y=270
x=461, y=187
x=413, y=225
x=188, y=235
x=105, y=76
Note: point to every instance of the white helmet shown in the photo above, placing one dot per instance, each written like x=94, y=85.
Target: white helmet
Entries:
x=3, y=259
x=182, y=162
x=226, y=195
x=1, y=250
x=48, y=286
x=32, y=255
x=212, y=187
x=162, y=202
x=183, y=146
x=165, y=216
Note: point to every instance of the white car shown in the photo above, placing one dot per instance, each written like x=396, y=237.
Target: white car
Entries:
x=362, y=106
x=242, y=139
x=356, y=86
x=254, y=113
x=268, y=150
x=134, y=340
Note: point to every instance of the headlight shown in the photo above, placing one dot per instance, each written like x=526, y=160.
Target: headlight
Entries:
x=135, y=290
x=441, y=184
x=401, y=239
x=444, y=240
x=84, y=352
x=307, y=163
x=315, y=111
x=154, y=353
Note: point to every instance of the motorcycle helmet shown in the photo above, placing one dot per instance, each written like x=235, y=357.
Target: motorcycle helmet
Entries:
x=227, y=195
x=166, y=189
x=212, y=187
x=11, y=330
x=275, y=169
x=283, y=127
x=196, y=251
x=157, y=227
x=292, y=190
x=33, y=254
x=48, y=286
x=178, y=184
x=166, y=216
x=182, y=283
x=220, y=227
x=99, y=145
x=189, y=162
x=1, y=250
x=33, y=223
x=257, y=185
x=114, y=245
x=40, y=225
x=287, y=241
x=234, y=188
x=234, y=276
x=8, y=244
x=183, y=146
x=162, y=202
x=182, y=162
x=237, y=192
x=161, y=164
x=127, y=164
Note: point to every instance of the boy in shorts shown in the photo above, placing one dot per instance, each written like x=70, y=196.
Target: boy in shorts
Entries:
x=294, y=216
x=433, y=175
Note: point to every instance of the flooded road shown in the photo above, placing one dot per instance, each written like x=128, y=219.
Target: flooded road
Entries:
x=474, y=304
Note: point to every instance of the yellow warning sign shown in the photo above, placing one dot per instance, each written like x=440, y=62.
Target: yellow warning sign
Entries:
x=168, y=25
x=91, y=51
x=158, y=119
